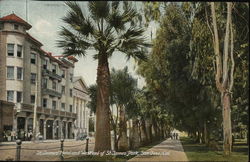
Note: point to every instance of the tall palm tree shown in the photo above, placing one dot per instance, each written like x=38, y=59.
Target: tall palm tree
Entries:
x=109, y=27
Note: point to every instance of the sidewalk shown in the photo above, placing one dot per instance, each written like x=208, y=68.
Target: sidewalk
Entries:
x=173, y=152
x=39, y=141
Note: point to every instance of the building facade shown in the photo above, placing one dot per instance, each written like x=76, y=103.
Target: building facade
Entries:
x=81, y=98
x=31, y=77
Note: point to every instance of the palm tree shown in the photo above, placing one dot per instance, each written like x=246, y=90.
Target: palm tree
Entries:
x=123, y=87
x=109, y=27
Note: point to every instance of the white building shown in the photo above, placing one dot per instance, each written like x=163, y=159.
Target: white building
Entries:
x=81, y=98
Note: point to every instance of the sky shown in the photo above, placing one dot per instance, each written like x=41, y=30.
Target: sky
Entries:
x=45, y=18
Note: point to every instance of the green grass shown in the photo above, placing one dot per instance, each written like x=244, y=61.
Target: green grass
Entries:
x=199, y=152
x=110, y=158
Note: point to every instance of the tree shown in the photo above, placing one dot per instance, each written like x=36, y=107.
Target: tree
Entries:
x=224, y=77
x=123, y=87
x=110, y=26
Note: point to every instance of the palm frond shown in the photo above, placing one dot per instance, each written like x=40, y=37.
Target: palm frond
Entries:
x=98, y=9
x=71, y=43
x=77, y=21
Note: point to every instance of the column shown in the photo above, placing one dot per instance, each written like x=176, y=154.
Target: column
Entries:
x=44, y=129
x=53, y=129
x=66, y=133
x=14, y=128
x=26, y=124
x=60, y=129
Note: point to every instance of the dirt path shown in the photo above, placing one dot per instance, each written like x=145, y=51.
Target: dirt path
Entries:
x=170, y=150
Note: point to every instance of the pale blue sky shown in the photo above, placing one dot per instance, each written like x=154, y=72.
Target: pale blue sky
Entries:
x=45, y=18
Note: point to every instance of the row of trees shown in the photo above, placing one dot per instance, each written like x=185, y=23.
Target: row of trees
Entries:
x=132, y=106
x=200, y=52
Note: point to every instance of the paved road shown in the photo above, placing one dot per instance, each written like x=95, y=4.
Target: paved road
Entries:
x=8, y=151
x=170, y=150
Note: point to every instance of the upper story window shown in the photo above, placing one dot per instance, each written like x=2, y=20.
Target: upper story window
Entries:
x=63, y=89
x=32, y=99
x=45, y=82
x=54, y=85
x=10, y=72
x=63, y=106
x=19, y=73
x=45, y=64
x=16, y=27
x=63, y=73
x=19, y=50
x=71, y=93
x=33, y=78
x=19, y=96
x=10, y=96
x=33, y=58
x=70, y=108
x=71, y=77
x=45, y=102
x=10, y=49
x=53, y=104
x=54, y=68
x=1, y=26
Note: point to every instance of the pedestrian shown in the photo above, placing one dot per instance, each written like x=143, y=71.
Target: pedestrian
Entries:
x=177, y=135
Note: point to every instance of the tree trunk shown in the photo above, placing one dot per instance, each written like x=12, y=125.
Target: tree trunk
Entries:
x=123, y=140
x=135, y=143
x=227, y=134
x=205, y=133
x=224, y=81
x=144, y=136
x=102, y=135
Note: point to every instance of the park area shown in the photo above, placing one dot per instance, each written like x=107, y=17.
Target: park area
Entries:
x=182, y=95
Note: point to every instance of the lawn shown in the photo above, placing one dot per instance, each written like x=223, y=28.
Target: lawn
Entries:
x=199, y=152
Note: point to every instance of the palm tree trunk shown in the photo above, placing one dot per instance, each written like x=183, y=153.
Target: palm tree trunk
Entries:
x=123, y=140
x=135, y=143
x=102, y=136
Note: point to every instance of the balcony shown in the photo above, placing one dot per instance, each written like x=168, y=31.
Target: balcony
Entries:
x=51, y=92
x=46, y=111
x=51, y=74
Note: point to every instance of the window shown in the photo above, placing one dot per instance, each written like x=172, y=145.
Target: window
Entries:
x=63, y=106
x=54, y=85
x=54, y=68
x=19, y=96
x=10, y=96
x=70, y=93
x=32, y=99
x=1, y=26
x=71, y=77
x=16, y=26
x=70, y=108
x=33, y=78
x=45, y=102
x=53, y=104
x=33, y=58
x=19, y=73
x=10, y=72
x=63, y=89
x=19, y=50
x=63, y=73
x=45, y=64
x=10, y=49
x=45, y=82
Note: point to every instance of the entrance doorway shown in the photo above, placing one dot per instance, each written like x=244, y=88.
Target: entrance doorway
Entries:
x=69, y=130
x=49, y=129
x=21, y=128
x=41, y=126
